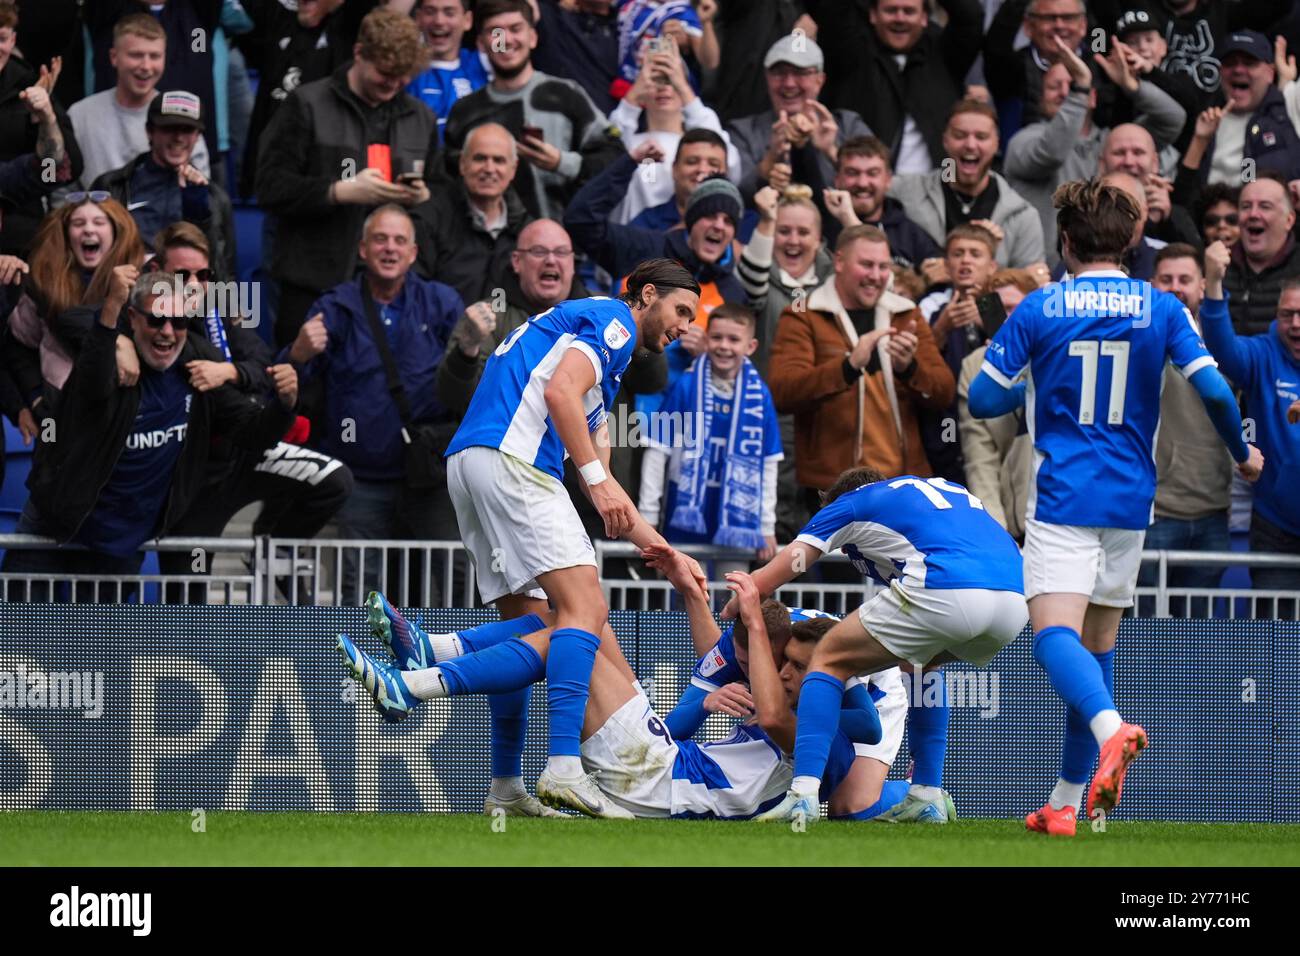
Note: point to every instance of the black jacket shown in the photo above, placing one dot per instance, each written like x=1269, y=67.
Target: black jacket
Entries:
x=287, y=55
x=591, y=136
x=618, y=249
x=909, y=244
x=94, y=418
x=316, y=138
x=455, y=251
x=862, y=75
x=219, y=225
x=18, y=136
x=1253, y=296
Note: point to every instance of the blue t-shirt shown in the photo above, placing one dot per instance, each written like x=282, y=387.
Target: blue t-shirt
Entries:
x=443, y=83
x=128, y=508
x=508, y=410
x=675, y=414
x=928, y=532
x=1095, y=347
x=639, y=21
x=718, y=667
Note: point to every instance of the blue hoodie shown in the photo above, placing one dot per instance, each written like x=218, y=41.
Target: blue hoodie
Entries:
x=358, y=405
x=1262, y=367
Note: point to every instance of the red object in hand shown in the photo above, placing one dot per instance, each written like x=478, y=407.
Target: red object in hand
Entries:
x=299, y=431
x=380, y=156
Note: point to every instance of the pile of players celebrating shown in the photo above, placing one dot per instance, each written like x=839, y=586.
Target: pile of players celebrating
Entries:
x=822, y=700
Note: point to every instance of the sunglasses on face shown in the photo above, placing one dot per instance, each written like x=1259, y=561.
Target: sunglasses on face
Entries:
x=1229, y=219
x=158, y=321
x=95, y=196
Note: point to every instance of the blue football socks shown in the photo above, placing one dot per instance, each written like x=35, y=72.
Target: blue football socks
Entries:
x=568, y=683
x=820, y=697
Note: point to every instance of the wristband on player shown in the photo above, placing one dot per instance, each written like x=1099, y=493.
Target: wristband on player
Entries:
x=593, y=473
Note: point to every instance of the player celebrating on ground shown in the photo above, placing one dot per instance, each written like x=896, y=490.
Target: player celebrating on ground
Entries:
x=635, y=763
x=544, y=395
x=720, y=683
x=1094, y=347
x=954, y=592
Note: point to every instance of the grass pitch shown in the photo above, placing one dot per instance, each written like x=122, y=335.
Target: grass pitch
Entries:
x=43, y=838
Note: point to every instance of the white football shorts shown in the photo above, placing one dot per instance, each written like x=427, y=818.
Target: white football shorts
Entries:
x=515, y=520
x=1102, y=563
x=892, y=709
x=917, y=624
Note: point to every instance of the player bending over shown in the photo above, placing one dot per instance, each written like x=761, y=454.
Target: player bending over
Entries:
x=1094, y=348
x=634, y=762
x=954, y=592
x=720, y=684
x=544, y=396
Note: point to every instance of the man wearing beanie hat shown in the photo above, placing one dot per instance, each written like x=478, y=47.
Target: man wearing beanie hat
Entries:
x=712, y=214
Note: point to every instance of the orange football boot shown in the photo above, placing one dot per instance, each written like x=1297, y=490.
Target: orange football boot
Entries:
x=1052, y=822
x=1117, y=753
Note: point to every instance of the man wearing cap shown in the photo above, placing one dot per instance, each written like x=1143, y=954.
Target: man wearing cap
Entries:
x=110, y=125
x=1197, y=26
x=1259, y=122
x=797, y=140
x=162, y=186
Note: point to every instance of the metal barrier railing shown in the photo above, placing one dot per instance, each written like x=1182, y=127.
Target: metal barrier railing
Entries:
x=324, y=571
x=222, y=571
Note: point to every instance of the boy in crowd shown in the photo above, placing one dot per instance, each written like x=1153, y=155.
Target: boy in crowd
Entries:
x=718, y=440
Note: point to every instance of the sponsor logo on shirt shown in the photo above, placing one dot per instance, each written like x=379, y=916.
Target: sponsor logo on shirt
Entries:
x=712, y=663
x=1285, y=390
x=156, y=438
x=617, y=335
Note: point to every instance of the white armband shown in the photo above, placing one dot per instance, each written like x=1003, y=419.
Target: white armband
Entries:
x=593, y=472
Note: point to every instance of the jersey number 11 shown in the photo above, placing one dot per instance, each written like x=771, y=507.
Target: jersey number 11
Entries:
x=1090, y=352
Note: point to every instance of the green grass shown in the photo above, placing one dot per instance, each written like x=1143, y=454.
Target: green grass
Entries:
x=307, y=839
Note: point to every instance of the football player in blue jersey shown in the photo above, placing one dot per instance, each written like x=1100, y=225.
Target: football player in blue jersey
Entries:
x=954, y=591
x=1093, y=349
x=544, y=396
x=720, y=684
x=636, y=765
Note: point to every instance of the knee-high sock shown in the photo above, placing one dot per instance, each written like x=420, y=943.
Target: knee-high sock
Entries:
x=509, y=711
x=568, y=683
x=485, y=635
x=820, y=697
x=1079, y=750
x=1074, y=673
x=891, y=792
x=503, y=668
x=927, y=735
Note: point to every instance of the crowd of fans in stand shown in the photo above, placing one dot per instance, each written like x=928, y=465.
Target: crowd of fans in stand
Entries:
x=863, y=189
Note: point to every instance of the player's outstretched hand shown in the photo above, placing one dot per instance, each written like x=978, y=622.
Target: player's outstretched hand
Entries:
x=1250, y=468
x=672, y=564
x=747, y=598
x=733, y=699
x=615, y=507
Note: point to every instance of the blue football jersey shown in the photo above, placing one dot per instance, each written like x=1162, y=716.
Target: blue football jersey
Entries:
x=718, y=666
x=442, y=84
x=928, y=532
x=508, y=410
x=1095, y=348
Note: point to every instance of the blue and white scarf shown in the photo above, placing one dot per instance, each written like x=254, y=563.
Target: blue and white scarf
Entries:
x=742, y=477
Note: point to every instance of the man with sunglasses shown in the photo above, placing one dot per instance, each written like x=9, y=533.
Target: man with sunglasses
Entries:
x=123, y=463
x=163, y=186
x=299, y=489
